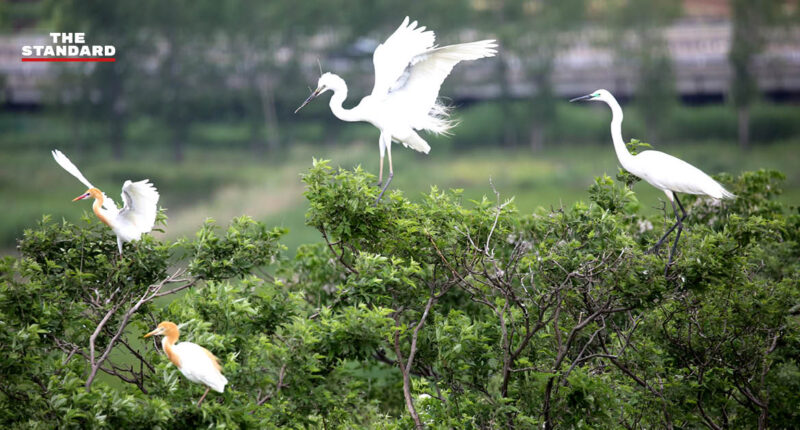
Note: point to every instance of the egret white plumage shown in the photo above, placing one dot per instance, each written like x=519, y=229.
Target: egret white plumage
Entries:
x=196, y=363
x=137, y=216
x=409, y=71
x=663, y=171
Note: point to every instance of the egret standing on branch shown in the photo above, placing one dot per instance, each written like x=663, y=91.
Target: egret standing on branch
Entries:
x=409, y=70
x=663, y=171
x=136, y=217
x=196, y=363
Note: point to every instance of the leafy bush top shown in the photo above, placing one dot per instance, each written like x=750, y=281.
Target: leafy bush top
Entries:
x=436, y=312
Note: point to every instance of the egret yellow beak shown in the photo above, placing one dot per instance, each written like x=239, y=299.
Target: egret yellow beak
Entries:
x=313, y=95
x=156, y=331
x=81, y=197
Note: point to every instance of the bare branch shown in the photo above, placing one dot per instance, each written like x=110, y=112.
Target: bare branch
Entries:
x=338, y=256
x=278, y=386
x=150, y=293
x=406, y=379
x=99, y=328
x=413, y=350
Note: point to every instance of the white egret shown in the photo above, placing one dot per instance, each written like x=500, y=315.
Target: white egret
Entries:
x=409, y=71
x=663, y=171
x=137, y=216
x=196, y=363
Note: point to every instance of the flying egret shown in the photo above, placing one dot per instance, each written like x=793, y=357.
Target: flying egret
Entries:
x=137, y=216
x=409, y=70
x=196, y=363
x=663, y=171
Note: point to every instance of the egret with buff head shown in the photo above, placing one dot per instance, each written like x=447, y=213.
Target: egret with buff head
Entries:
x=196, y=363
x=136, y=217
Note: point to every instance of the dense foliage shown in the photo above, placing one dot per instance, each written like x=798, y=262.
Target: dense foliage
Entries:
x=436, y=312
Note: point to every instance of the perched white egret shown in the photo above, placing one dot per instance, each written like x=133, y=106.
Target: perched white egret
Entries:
x=196, y=363
x=409, y=70
x=137, y=216
x=663, y=171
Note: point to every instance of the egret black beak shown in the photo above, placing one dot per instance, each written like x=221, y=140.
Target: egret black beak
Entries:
x=577, y=99
x=81, y=197
x=313, y=95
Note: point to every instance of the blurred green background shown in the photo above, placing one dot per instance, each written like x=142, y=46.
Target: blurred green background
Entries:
x=200, y=99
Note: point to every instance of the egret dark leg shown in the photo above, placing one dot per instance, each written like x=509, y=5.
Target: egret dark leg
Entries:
x=203, y=397
x=663, y=238
x=678, y=219
x=388, y=181
x=679, y=224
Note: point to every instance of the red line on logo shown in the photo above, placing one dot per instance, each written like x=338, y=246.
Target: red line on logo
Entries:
x=69, y=60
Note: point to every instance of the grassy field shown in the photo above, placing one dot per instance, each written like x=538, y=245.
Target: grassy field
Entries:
x=222, y=184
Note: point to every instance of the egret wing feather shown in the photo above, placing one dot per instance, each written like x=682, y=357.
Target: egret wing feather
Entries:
x=213, y=358
x=109, y=205
x=67, y=165
x=198, y=366
x=397, y=53
x=140, y=205
x=667, y=172
x=418, y=95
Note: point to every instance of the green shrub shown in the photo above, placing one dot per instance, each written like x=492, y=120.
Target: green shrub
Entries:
x=438, y=313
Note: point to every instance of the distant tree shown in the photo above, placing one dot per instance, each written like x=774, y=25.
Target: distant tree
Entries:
x=531, y=33
x=186, y=79
x=263, y=62
x=750, y=22
x=638, y=39
x=549, y=26
x=102, y=91
x=499, y=18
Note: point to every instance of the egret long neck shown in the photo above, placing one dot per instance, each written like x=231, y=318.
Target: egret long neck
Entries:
x=623, y=155
x=167, y=343
x=97, y=208
x=338, y=98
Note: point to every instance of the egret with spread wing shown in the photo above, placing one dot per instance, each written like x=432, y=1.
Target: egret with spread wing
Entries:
x=137, y=216
x=663, y=171
x=196, y=363
x=409, y=70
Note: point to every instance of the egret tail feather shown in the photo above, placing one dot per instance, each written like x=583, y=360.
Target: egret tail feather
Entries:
x=727, y=194
x=417, y=143
x=438, y=121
